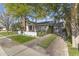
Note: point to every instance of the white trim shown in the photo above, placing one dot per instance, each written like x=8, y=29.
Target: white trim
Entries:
x=28, y=33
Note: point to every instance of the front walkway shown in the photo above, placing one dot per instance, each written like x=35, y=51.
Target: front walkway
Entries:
x=58, y=48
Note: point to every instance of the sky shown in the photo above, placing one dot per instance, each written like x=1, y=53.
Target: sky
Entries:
x=1, y=8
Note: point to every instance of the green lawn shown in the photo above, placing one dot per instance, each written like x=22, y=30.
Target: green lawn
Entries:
x=45, y=43
x=7, y=33
x=72, y=51
x=41, y=33
x=22, y=38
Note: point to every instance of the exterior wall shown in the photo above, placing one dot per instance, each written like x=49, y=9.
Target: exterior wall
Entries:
x=42, y=27
x=30, y=28
x=31, y=32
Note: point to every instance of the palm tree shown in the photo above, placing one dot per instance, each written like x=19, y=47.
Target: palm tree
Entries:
x=74, y=24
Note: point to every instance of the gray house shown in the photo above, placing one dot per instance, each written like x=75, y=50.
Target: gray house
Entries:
x=33, y=27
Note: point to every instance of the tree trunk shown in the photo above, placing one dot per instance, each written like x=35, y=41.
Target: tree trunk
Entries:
x=23, y=24
x=68, y=29
x=74, y=25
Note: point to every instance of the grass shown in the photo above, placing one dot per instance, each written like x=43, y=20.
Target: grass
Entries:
x=45, y=43
x=41, y=33
x=22, y=38
x=7, y=33
x=72, y=51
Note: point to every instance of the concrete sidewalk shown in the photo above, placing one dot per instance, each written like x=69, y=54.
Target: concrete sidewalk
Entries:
x=11, y=48
x=6, y=36
x=2, y=52
x=21, y=50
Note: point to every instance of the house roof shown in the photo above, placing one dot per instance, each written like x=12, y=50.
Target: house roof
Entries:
x=51, y=23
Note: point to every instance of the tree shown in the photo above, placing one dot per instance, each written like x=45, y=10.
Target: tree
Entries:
x=74, y=25
x=70, y=14
x=24, y=10
x=66, y=13
x=19, y=10
x=63, y=11
x=6, y=20
x=16, y=26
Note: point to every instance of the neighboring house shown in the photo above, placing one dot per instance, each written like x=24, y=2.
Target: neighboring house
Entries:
x=32, y=27
x=2, y=28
